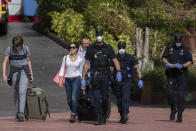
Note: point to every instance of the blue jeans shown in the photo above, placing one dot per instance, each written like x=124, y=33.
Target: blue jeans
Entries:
x=72, y=87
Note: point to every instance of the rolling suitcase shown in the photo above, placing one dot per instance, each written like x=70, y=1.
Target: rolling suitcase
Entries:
x=36, y=104
x=86, y=107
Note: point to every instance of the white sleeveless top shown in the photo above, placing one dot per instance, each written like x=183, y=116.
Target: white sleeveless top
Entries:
x=73, y=69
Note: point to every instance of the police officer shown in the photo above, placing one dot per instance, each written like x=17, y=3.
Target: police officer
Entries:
x=123, y=88
x=99, y=55
x=177, y=58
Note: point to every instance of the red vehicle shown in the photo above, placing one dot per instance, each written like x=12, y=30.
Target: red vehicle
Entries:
x=4, y=14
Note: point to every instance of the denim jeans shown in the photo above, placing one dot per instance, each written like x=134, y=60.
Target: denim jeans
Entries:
x=72, y=87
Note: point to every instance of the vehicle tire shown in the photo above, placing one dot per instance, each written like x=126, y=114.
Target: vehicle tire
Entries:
x=4, y=28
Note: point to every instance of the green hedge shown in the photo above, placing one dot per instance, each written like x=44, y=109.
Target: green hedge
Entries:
x=191, y=81
x=68, y=25
x=158, y=78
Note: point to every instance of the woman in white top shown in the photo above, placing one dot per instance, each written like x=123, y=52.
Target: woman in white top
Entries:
x=73, y=64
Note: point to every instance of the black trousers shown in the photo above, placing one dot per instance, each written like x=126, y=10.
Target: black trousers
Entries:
x=123, y=94
x=100, y=90
x=176, y=80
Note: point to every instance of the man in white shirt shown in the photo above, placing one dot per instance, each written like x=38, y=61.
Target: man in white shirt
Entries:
x=82, y=50
x=83, y=47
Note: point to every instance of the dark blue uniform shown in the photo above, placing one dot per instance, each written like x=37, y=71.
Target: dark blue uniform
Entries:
x=127, y=62
x=100, y=58
x=177, y=55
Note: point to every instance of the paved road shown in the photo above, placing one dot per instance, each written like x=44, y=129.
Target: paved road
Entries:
x=141, y=119
x=46, y=59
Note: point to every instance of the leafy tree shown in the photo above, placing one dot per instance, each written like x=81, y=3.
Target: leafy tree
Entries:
x=111, y=15
x=68, y=25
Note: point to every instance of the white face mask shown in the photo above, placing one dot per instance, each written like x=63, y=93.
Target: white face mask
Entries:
x=178, y=44
x=121, y=51
x=99, y=38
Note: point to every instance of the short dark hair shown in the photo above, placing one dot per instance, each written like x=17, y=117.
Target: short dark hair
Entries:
x=75, y=43
x=85, y=37
x=17, y=41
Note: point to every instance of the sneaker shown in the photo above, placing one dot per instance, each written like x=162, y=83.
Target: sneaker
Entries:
x=72, y=118
x=20, y=117
x=16, y=119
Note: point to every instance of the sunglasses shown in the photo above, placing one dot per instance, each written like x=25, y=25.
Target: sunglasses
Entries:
x=73, y=47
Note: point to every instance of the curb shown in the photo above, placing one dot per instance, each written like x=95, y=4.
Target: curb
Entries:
x=50, y=35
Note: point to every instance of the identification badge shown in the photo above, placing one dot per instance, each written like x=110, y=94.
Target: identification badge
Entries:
x=171, y=51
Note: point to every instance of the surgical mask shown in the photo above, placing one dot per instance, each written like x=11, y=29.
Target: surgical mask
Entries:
x=178, y=44
x=99, y=38
x=121, y=51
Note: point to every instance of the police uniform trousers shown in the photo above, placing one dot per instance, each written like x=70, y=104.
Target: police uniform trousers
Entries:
x=100, y=90
x=123, y=95
x=180, y=80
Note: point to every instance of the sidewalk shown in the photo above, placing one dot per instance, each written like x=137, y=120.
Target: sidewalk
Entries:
x=141, y=119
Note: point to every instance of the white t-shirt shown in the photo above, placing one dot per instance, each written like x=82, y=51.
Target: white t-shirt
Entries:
x=73, y=69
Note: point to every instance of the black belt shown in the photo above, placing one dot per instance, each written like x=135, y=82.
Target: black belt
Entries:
x=95, y=73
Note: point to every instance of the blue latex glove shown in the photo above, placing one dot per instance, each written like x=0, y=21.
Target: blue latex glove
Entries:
x=119, y=77
x=140, y=83
x=83, y=83
x=167, y=65
x=179, y=66
x=128, y=68
x=129, y=75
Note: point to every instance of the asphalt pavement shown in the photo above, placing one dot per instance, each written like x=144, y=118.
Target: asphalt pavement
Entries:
x=46, y=57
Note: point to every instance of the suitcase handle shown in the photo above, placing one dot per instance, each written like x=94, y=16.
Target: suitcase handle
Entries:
x=31, y=93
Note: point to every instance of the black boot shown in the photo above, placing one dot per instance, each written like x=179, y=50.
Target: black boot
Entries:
x=125, y=118
x=98, y=120
x=121, y=117
x=179, y=116
x=172, y=114
x=104, y=118
x=72, y=118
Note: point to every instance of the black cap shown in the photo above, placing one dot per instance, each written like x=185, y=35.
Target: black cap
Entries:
x=99, y=32
x=121, y=44
x=178, y=36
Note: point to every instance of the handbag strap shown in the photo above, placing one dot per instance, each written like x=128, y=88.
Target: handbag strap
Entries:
x=65, y=65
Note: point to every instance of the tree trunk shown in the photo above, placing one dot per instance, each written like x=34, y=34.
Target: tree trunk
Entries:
x=146, y=48
x=139, y=44
x=154, y=47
